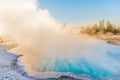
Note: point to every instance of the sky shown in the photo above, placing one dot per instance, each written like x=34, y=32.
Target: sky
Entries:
x=82, y=12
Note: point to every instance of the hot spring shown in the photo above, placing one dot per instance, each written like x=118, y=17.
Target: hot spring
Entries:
x=77, y=55
x=46, y=47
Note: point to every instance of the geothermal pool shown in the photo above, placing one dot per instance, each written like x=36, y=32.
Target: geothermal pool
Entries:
x=96, y=58
x=106, y=66
x=56, y=50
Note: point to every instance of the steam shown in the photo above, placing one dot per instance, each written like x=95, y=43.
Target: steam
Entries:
x=42, y=41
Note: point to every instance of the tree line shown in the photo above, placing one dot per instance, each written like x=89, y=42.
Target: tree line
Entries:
x=101, y=28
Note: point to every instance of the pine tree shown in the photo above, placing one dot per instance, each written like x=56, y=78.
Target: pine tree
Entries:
x=109, y=27
x=101, y=25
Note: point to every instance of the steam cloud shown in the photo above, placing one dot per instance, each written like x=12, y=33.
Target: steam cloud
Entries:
x=42, y=41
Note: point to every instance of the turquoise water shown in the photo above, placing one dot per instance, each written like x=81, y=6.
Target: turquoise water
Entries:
x=107, y=67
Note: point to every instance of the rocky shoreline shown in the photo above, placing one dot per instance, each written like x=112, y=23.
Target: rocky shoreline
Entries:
x=113, y=39
x=10, y=69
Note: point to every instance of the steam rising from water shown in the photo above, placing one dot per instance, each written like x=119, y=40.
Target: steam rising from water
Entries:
x=46, y=47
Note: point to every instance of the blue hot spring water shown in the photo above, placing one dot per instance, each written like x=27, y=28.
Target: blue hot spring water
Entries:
x=82, y=66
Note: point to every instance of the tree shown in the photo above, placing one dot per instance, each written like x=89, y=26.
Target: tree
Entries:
x=94, y=29
x=109, y=27
x=101, y=26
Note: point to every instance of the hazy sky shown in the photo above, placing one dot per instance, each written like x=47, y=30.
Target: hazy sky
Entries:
x=81, y=12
